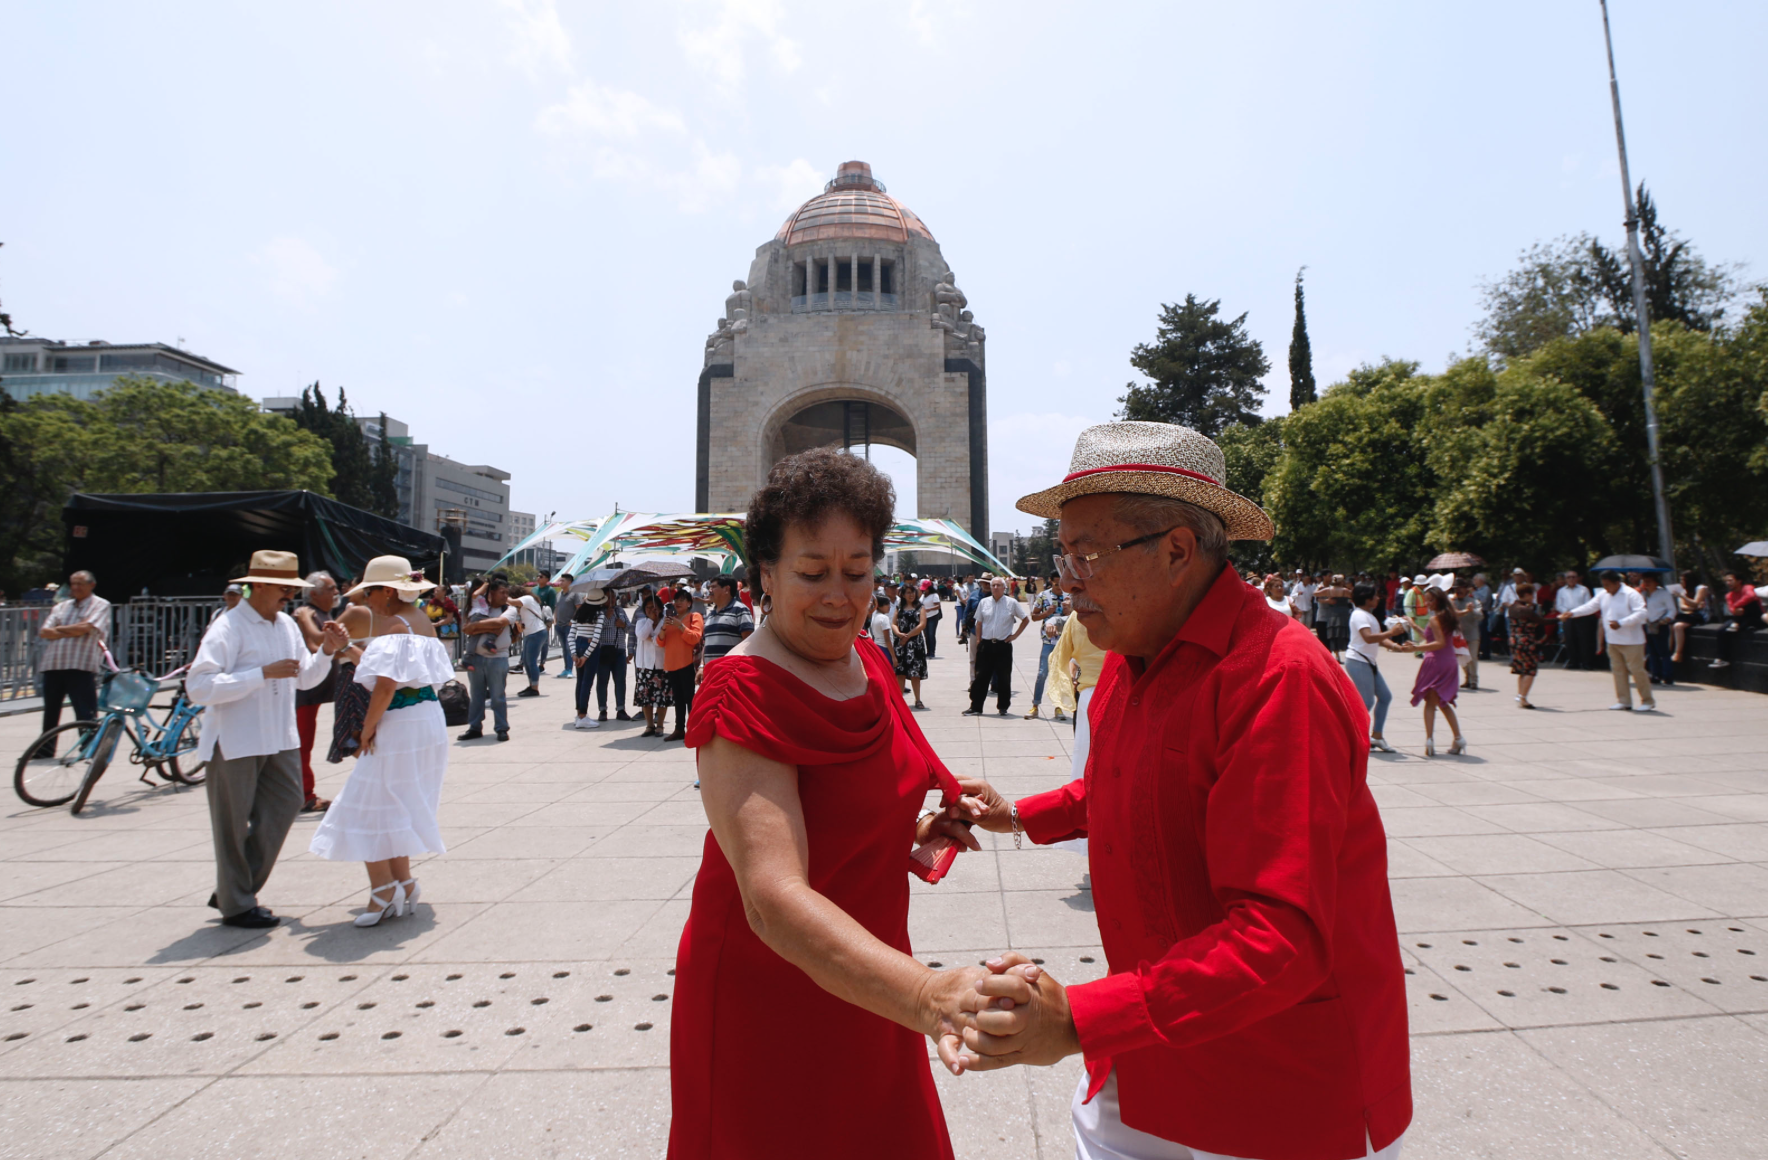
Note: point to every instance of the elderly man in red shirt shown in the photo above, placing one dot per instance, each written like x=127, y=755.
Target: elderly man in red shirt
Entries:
x=1255, y=1005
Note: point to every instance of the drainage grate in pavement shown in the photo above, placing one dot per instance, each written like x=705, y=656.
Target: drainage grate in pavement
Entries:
x=1723, y=961
x=1530, y=978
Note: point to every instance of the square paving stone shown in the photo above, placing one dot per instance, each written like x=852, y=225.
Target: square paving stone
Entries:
x=534, y=932
x=1722, y=961
x=1737, y=889
x=1624, y=849
x=34, y=1003
x=1580, y=897
x=591, y=1115
x=610, y=880
x=1497, y=854
x=73, y=1119
x=1488, y=1095
x=270, y=1118
x=1434, y=1006
x=1700, y=1086
x=1428, y=904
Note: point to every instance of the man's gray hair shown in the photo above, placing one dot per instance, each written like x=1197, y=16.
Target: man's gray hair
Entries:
x=90, y=578
x=314, y=578
x=1147, y=514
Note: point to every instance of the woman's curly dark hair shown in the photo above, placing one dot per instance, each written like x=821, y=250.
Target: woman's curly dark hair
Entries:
x=811, y=486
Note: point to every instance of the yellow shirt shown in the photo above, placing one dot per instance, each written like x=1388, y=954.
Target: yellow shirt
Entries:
x=1074, y=645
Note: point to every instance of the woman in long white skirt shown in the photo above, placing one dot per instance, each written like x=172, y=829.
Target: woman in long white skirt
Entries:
x=387, y=812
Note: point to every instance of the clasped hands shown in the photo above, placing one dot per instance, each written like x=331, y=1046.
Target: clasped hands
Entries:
x=1009, y=1010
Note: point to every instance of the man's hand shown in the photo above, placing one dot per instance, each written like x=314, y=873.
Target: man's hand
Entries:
x=987, y=807
x=1018, y=1014
x=282, y=670
x=334, y=637
x=1614, y=624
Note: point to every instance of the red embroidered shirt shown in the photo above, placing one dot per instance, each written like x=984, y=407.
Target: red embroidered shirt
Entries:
x=1256, y=1002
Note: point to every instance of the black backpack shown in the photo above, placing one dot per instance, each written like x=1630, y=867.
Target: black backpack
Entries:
x=455, y=703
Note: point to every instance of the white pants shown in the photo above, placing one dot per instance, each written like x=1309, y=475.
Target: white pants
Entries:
x=1077, y=769
x=1100, y=1133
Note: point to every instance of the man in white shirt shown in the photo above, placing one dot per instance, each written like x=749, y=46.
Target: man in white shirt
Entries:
x=1301, y=595
x=999, y=621
x=252, y=659
x=1623, y=616
x=1579, y=632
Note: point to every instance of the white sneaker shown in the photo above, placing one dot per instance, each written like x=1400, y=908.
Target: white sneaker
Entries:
x=1620, y=707
x=588, y=723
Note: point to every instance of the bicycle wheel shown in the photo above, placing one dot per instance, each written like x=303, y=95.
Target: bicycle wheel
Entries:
x=183, y=765
x=53, y=766
x=102, y=752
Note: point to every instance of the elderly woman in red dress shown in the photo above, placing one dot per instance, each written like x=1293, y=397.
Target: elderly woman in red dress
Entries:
x=813, y=775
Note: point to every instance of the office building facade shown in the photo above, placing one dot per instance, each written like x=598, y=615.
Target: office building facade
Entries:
x=43, y=366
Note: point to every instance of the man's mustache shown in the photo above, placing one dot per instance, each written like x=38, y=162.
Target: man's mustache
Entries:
x=1082, y=604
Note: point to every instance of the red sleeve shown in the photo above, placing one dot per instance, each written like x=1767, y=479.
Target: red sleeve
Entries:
x=1055, y=815
x=1274, y=830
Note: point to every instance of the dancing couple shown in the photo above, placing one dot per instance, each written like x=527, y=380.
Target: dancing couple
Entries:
x=1255, y=1005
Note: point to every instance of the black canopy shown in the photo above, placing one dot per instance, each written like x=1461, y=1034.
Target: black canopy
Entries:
x=192, y=543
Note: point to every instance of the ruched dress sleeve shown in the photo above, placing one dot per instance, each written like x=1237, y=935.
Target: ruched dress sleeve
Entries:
x=766, y=710
x=408, y=659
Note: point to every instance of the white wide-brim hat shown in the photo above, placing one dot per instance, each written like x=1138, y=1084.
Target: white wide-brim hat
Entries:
x=1161, y=459
x=393, y=572
x=270, y=567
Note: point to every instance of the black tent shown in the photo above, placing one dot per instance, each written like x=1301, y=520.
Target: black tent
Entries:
x=191, y=543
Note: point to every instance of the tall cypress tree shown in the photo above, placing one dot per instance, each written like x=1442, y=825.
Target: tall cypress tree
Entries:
x=1301, y=355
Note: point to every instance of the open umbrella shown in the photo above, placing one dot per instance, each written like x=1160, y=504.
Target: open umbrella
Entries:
x=1451, y=561
x=1754, y=548
x=653, y=572
x=1631, y=564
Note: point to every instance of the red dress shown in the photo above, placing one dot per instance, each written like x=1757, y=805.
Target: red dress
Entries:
x=750, y=1074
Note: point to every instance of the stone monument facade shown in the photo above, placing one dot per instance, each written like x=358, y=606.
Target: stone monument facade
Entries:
x=849, y=330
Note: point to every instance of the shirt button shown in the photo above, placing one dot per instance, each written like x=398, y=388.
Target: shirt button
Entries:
x=1135, y=700
x=1108, y=847
x=1116, y=924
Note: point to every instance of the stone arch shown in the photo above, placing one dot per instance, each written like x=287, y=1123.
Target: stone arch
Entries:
x=819, y=416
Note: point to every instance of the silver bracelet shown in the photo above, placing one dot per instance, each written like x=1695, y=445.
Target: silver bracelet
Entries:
x=1018, y=834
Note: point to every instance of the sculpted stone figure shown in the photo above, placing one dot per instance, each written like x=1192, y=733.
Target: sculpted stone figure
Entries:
x=738, y=304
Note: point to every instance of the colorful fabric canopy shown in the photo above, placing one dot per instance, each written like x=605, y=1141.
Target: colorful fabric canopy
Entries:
x=719, y=536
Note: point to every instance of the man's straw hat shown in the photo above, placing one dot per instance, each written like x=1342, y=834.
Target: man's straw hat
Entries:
x=393, y=572
x=1152, y=459
x=274, y=568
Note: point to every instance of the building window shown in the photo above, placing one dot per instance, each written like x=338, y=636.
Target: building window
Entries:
x=74, y=363
x=21, y=362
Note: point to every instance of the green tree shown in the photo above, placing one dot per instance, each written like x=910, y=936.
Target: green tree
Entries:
x=1354, y=486
x=1512, y=451
x=383, y=480
x=1205, y=370
x=358, y=479
x=158, y=437
x=1252, y=454
x=139, y=435
x=1575, y=285
x=1301, y=354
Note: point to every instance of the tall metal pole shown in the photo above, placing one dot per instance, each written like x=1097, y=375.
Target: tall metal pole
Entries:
x=1666, y=539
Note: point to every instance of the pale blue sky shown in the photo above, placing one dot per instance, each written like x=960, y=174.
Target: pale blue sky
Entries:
x=512, y=224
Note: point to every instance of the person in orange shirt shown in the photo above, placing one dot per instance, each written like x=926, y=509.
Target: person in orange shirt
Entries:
x=679, y=635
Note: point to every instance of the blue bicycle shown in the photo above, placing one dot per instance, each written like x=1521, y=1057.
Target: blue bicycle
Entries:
x=65, y=763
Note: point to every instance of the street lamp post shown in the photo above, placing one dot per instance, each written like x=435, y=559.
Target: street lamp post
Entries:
x=1666, y=539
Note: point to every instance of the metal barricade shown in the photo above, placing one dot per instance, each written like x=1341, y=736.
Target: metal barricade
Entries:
x=160, y=633
x=20, y=649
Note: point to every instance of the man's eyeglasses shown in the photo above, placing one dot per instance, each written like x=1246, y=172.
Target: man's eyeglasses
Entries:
x=1075, y=567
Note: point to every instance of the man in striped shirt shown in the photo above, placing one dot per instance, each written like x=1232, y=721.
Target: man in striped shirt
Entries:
x=75, y=630
x=729, y=623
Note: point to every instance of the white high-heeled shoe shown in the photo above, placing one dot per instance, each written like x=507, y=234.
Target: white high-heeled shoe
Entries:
x=413, y=891
x=1458, y=746
x=1429, y=746
x=393, y=907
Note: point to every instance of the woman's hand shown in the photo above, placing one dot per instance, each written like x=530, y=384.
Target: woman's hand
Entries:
x=950, y=822
x=942, y=1012
x=987, y=808
x=369, y=728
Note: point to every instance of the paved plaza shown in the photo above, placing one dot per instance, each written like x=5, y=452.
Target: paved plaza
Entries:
x=1583, y=903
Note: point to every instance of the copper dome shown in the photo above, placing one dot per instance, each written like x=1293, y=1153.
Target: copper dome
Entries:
x=853, y=205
